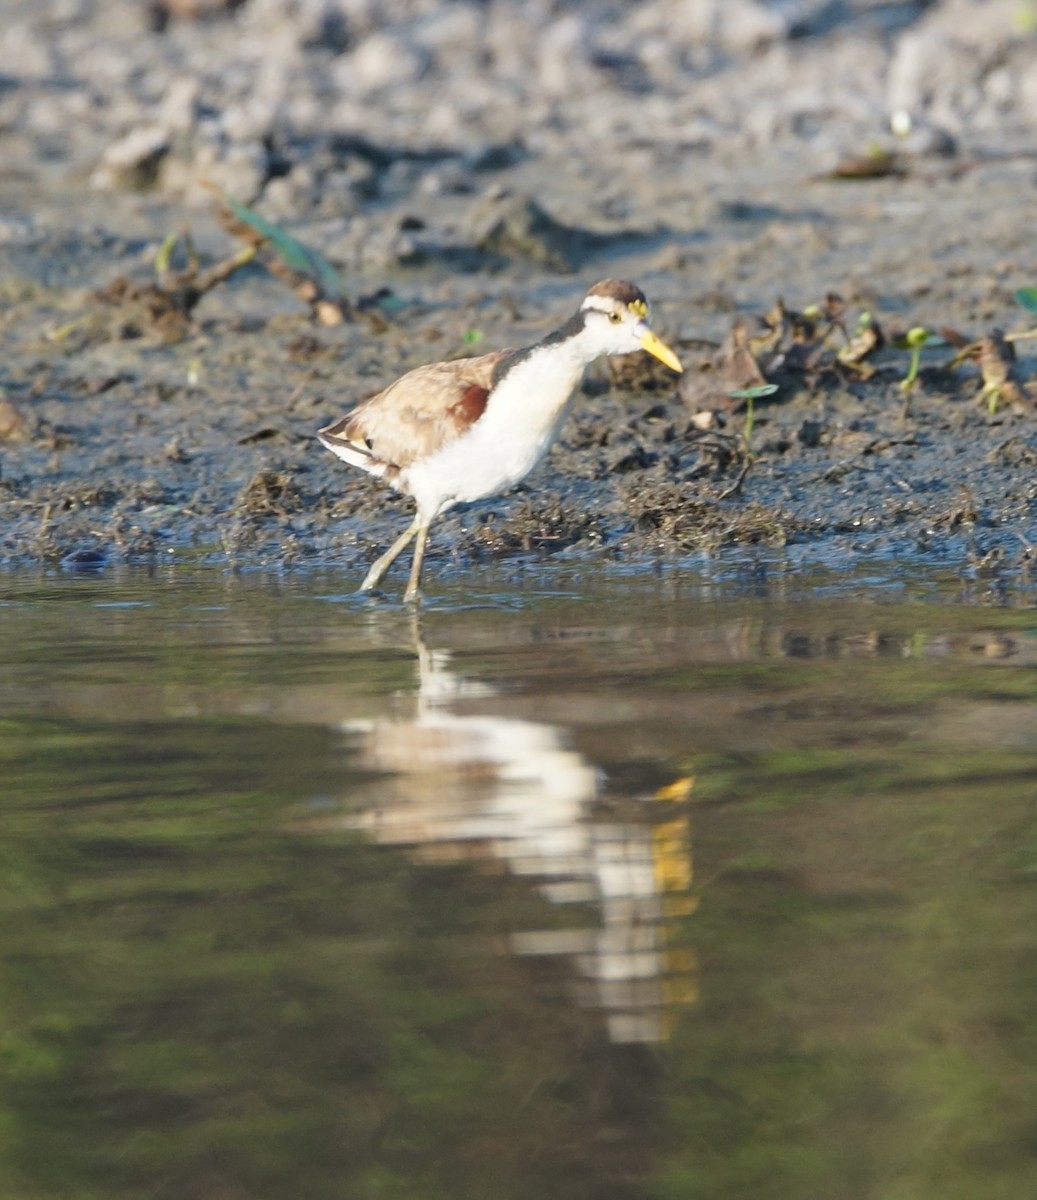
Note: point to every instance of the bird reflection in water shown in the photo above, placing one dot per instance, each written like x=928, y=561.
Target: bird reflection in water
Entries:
x=483, y=788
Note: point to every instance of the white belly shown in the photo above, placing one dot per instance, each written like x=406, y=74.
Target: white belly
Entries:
x=512, y=436
x=477, y=466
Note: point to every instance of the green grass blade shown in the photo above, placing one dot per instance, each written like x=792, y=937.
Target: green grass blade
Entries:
x=1027, y=297
x=291, y=251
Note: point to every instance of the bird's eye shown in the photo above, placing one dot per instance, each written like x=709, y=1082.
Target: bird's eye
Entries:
x=615, y=317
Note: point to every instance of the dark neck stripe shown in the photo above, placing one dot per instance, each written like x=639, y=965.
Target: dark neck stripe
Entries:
x=572, y=328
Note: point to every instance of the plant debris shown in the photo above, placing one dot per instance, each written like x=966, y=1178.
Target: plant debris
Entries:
x=876, y=162
x=268, y=493
x=162, y=308
x=308, y=273
x=784, y=349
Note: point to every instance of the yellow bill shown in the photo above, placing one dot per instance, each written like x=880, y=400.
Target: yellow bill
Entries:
x=661, y=351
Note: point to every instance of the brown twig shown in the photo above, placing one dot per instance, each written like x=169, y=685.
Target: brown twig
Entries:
x=736, y=487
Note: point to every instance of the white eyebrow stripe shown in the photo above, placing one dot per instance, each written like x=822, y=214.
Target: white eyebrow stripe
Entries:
x=601, y=304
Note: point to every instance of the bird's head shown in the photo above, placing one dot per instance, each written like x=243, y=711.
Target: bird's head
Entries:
x=616, y=321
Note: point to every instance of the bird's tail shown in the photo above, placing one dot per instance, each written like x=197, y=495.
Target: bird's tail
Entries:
x=357, y=455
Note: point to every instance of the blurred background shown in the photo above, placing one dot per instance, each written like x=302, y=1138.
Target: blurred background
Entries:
x=331, y=106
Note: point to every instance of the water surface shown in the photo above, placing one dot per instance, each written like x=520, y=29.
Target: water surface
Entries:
x=711, y=885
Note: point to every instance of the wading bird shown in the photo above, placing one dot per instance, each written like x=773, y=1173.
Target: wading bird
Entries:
x=453, y=432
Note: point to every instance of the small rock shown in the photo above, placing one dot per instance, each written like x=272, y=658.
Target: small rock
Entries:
x=450, y=180
x=84, y=559
x=324, y=28
x=131, y=163
x=13, y=426
x=810, y=433
x=18, y=229
x=381, y=60
x=515, y=226
x=27, y=49
x=238, y=169
x=562, y=54
x=739, y=26
x=496, y=156
x=178, y=111
x=248, y=121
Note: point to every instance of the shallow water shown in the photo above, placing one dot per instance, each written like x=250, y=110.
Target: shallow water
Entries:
x=722, y=883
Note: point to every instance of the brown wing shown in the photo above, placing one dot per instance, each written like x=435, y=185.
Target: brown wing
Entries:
x=419, y=413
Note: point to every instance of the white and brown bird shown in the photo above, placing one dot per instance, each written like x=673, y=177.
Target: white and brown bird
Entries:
x=453, y=432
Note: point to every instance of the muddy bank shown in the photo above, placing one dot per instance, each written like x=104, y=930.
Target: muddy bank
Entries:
x=705, y=173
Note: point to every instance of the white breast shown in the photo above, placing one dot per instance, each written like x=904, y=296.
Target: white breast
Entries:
x=522, y=419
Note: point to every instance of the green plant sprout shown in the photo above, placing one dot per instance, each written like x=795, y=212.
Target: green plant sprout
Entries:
x=915, y=340
x=991, y=392
x=164, y=255
x=749, y=395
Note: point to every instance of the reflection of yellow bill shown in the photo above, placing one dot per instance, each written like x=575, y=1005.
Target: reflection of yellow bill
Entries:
x=671, y=855
x=671, y=851
x=662, y=352
x=680, y=789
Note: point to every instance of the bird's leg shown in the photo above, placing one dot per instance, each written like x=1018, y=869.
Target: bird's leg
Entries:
x=382, y=564
x=414, y=583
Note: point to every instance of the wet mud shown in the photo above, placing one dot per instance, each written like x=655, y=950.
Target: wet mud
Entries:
x=130, y=434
